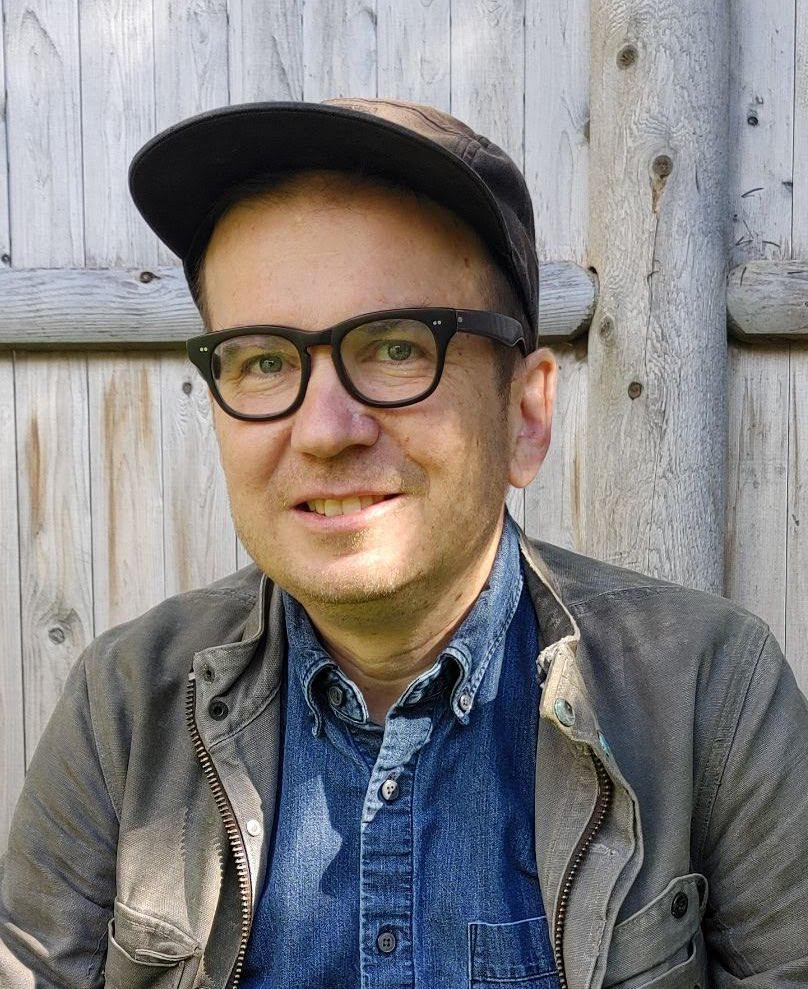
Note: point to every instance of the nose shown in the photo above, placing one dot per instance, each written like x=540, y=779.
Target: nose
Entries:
x=329, y=419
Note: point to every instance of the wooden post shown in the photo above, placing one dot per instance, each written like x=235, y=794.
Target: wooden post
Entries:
x=657, y=420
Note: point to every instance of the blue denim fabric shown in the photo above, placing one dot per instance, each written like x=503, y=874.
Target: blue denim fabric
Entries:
x=403, y=854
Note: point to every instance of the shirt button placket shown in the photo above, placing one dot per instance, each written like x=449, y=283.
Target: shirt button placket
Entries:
x=386, y=850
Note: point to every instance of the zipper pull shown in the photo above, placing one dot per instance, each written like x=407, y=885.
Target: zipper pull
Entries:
x=192, y=676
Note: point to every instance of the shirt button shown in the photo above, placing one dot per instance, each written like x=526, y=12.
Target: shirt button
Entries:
x=253, y=827
x=336, y=695
x=389, y=789
x=465, y=701
x=386, y=942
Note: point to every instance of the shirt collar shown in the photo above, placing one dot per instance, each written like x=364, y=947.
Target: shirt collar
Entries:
x=463, y=661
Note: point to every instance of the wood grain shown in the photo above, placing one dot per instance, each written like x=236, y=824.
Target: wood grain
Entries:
x=656, y=427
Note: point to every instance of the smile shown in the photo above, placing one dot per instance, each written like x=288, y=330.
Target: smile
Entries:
x=344, y=506
x=346, y=514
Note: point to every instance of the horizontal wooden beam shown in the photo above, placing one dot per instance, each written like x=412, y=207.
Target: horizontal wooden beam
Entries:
x=768, y=299
x=95, y=308
x=101, y=308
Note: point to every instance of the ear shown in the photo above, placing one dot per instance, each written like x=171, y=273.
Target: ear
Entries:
x=531, y=415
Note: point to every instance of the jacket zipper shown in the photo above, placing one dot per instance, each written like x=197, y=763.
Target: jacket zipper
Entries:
x=234, y=836
x=602, y=804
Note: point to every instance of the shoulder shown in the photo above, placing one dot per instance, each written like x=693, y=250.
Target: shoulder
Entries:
x=650, y=606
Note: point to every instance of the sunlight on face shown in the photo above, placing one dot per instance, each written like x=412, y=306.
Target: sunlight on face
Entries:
x=310, y=261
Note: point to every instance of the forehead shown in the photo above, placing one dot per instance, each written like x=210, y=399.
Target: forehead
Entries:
x=323, y=247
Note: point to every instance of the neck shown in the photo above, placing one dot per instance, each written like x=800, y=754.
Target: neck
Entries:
x=384, y=655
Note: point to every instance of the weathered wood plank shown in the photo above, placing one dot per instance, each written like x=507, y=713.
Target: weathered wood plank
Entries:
x=414, y=51
x=799, y=169
x=44, y=132
x=199, y=536
x=761, y=130
x=796, y=634
x=656, y=426
x=757, y=481
x=339, y=49
x=5, y=228
x=265, y=50
x=488, y=70
x=557, y=129
x=88, y=307
x=55, y=541
x=127, y=498
x=12, y=730
x=190, y=66
x=117, y=46
x=795, y=638
x=761, y=139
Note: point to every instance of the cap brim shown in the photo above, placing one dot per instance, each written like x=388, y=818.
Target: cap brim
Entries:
x=178, y=176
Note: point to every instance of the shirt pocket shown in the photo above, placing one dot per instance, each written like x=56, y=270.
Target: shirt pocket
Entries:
x=661, y=946
x=144, y=957
x=517, y=954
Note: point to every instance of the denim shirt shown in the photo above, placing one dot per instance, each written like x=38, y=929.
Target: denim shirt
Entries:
x=403, y=854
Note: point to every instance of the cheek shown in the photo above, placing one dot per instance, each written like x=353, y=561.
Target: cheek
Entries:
x=249, y=451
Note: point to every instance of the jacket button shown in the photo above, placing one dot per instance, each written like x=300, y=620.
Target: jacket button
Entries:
x=217, y=709
x=336, y=695
x=564, y=711
x=386, y=942
x=679, y=905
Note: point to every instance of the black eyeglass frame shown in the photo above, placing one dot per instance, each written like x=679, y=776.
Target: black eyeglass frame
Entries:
x=444, y=323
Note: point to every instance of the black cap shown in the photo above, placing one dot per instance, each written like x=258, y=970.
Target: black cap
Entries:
x=177, y=178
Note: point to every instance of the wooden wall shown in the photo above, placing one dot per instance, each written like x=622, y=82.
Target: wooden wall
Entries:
x=111, y=496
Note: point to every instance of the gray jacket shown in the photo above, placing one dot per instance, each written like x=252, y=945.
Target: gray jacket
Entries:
x=671, y=792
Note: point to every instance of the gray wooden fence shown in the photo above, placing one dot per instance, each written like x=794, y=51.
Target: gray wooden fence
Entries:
x=666, y=148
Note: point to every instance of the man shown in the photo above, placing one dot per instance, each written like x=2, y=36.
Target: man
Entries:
x=408, y=746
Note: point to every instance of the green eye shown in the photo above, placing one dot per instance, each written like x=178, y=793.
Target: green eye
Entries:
x=399, y=350
x=270, y=363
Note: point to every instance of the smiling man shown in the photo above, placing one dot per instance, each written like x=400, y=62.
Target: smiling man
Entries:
x=408, y=746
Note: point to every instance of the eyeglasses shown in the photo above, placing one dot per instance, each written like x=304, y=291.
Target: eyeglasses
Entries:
x=386, y=359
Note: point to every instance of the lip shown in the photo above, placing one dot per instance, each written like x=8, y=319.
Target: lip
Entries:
x=347, y=523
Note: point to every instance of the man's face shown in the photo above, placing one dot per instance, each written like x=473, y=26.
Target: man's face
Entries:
x=310, y=262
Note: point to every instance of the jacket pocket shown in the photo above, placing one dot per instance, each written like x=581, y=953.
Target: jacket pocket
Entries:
x=139, y=958
x=518, y=954
x=661, y=946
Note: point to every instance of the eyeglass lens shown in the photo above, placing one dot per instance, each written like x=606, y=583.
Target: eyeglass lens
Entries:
x=391, y=360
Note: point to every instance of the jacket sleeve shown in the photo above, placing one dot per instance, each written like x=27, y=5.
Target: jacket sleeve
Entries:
x=756, y=850
x=57, y=878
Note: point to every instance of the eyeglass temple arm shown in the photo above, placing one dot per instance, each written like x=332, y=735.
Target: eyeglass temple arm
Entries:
x=494, y=325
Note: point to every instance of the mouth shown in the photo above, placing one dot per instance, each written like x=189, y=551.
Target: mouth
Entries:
x=332, y=508
x=344, y=515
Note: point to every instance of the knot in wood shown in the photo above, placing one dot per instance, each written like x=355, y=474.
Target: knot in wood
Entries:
x=147, y=276
x=606, y=328
x=663, y=166
x=187, y=387
x=627, y=56
x=56, y=635
x=634, y=390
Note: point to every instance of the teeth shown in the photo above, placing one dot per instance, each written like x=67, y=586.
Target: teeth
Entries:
x=347, y=506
